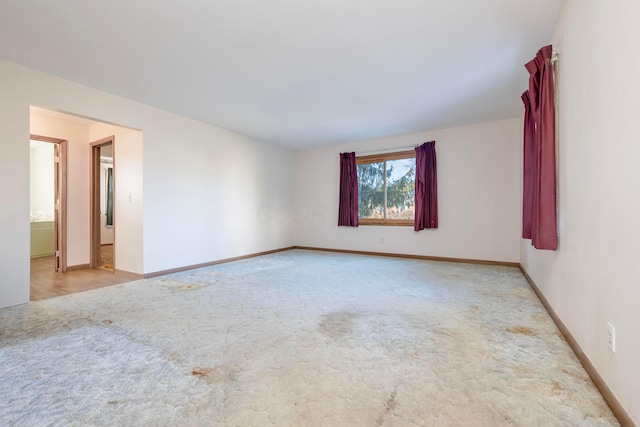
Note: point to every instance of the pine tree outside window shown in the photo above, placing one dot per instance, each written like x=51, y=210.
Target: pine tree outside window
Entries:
x=386, y=188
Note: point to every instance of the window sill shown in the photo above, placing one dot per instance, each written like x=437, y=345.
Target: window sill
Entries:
x=387, y=223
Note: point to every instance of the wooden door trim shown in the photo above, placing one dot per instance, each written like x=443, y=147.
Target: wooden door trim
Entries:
x=60, y=225
x=94, y=201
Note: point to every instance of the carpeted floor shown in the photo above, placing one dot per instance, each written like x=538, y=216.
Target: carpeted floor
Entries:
x=294, y=339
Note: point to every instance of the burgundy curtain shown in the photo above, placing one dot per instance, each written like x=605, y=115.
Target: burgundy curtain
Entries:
x=426, y=215
x=348, y=207
x=528, y=167
x=539, y=192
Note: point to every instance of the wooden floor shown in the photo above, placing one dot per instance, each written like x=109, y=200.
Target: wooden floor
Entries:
x=46, y=283
x=106, y=256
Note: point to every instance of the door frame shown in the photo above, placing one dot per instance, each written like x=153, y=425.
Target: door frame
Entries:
x=60, y=199
x=94, y=201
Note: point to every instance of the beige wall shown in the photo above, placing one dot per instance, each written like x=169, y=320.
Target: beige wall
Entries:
x=77, y=137
x=592, y=279
x=127, y=214
x=478, y=196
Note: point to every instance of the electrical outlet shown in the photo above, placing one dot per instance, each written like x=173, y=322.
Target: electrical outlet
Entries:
x=611, y=337
x=382, y=240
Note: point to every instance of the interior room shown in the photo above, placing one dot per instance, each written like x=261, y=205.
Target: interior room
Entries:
x=196, y=271
x=77, y=134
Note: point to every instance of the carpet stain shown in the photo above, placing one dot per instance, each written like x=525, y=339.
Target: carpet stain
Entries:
x=391, y=402
x=107, y=322
x=556, y=388
x=338, y=324
x=188, y=287
x=201, y=372
x=180, y=285
x=578, y=375
x=540, y=318
x=523, y=369
x=522, y=330
x=219, y=374
x=389, y=407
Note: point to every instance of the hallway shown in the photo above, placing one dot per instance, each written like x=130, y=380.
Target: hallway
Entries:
x=46, y=283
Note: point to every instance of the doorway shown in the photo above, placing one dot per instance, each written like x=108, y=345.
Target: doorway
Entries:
x=102, y=202
x=48, y=194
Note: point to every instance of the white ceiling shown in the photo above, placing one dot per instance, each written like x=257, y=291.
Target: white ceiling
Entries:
x=298, y=73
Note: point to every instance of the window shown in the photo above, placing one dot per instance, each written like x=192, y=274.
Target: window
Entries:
x=386, y=188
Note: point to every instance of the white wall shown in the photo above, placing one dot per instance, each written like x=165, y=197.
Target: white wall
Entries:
x=593, y=278
x=203, y=186
x=77, y=137
x=478, y=196
x=127, y=215
x=42, y=181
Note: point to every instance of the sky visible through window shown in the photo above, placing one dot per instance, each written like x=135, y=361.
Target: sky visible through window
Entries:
x=401, y=167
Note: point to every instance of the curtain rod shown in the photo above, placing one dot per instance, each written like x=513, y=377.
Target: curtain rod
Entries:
x=385, y=150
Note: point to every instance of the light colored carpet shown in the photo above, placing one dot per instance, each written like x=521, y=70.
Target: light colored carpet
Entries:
x=294, y=339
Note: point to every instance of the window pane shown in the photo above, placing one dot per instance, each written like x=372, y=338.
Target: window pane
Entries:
x=370, y=190
x=401, y=177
